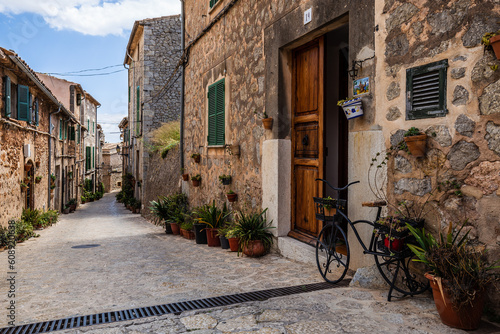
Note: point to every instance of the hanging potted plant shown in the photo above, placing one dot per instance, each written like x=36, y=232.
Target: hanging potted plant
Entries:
x=225, y=179
x=27, y=167
x=196, y=157
x=416, y=141
x=24, y=186
x=459, y=275
x=353, y=108
x=196, y=180
x=491, y=41
x=185, y=176
x=231, y=196
x=38, y=179
x=267, y=121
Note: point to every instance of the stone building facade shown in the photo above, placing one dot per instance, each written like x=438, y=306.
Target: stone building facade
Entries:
x=293, y=60
x=29, y=146
x=152, y=56
x=111, y=167
x=84, y=154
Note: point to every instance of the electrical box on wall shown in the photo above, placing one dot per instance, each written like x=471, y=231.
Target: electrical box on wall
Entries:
x=27, y=150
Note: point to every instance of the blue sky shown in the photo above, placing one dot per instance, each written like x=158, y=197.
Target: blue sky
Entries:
x=43, y=33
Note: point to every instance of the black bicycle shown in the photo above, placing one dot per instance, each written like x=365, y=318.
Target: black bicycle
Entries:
x=333, y=251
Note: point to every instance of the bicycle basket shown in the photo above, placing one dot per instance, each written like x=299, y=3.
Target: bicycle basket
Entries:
x=326, y=208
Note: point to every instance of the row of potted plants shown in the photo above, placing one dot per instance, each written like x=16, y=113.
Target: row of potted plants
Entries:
x=215, y=226
x=224, y=180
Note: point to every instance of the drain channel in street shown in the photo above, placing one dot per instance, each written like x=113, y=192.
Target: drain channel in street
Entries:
x=172, y=308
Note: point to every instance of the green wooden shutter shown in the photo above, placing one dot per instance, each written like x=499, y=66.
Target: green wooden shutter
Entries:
x=66, y=130
x=60, y=129
x=37, y=117
x=128, y=94
x=78, y=133
x=138, y=111
x=93, y=157
x=426, y=90
x=216, y=113
x=220, y=112
x=23, y=107
x=87, y=157
x=213, y=2
x=8, y=111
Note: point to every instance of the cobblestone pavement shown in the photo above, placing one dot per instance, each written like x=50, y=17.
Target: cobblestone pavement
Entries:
x=138, y=265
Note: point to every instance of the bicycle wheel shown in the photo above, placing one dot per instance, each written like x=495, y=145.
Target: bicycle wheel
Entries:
x=400, y=271
x=332, y=253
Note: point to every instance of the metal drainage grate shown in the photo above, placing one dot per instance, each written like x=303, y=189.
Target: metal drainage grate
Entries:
x=86, y=246
x=173, y=308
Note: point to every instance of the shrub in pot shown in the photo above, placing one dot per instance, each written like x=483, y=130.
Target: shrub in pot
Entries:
x=459, y=275
x=196, y=180
x=416, y=141
x=214, y=218
x=166, y=208
x=253, y=231
x=187, y=228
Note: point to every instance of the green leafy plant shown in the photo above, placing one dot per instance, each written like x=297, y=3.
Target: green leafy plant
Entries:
x=165, y=138
x=485, y=40
x=413, y=131
x=212, y=215
x=459, y=267
x=170, y=208
x=196, y=177
x=195, y=155
x=230, y=192
x=38, y=179
x=224, y=177
x=253, y=226
x=52, y=177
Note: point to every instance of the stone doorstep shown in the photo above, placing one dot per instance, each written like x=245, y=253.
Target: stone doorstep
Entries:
x=296, y=250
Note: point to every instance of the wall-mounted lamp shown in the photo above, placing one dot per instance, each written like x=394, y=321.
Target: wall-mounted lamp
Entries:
x=118, y=149
x=356, y=65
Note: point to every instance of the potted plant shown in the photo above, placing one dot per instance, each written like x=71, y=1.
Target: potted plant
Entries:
x=196, y=180
x=136, y=207
x=38, y=179
x=491, y=40
x=394, y=232
x=83, y=199
x=231, y=196
x=27, y=167
x=196, y=157
x=24, y=186
x=416, y=141
x=199, y=228
x=253, y=231
x=72, y=204
x=187, y=229
x=223, y=233
x=185, y=176
x=66, y=209
x=214, y=218
x=459, y=274
x=353, y=108
x=232, y=238
x=267, y=121
x=225, y=179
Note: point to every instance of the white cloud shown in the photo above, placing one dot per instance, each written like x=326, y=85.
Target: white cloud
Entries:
x=92, y=17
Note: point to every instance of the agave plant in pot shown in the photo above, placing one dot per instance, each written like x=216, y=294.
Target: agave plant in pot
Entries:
x=253, y=231
x=459, y=275
x=214, y=218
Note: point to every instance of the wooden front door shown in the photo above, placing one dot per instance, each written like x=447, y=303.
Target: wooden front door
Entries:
x=307, y=137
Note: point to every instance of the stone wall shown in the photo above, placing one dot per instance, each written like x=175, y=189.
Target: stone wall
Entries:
x=14, y=135
x=163, y=179
x=460, y=171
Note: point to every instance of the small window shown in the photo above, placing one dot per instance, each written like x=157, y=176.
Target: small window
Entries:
x=88, y=157
x=216, y=113
x=78, y=99
x=213, y=2
x=426, y=90
x=7, y=92
x=60, y=129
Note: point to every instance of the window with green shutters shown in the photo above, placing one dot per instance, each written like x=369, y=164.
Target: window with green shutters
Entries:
x=213, y=2
x=78, y=133
x=93, y=157
x=138, y=110
x=216, y=113
x=88, y=156
x=60, y=129
x=7, y=93
x=426, y=90
x=23, y=103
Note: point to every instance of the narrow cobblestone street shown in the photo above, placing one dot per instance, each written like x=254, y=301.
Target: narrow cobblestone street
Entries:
x=136, y=264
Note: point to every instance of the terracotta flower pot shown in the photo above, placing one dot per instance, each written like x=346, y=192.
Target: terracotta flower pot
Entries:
x=196, y=183
x=416, y=144
x=255, y=248
x=175, y=228
x=495, y=44
x=232, y=197
x=213, y=237
x=185, y=177
x=467, y=317
x=27, y=167
x=197, y=159
x=187, y=234
x=268, y=123
x=234, y=244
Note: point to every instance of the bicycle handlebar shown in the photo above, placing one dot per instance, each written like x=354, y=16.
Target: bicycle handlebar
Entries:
x=337, y=189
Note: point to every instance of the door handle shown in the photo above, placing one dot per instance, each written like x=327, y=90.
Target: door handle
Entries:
x=305, y=140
